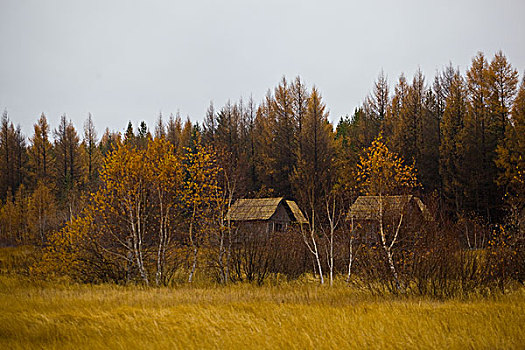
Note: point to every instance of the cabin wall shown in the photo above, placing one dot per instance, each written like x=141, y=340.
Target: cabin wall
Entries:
x=258, y=227
x=281, y=215
x=279, y=220
x=413, y=222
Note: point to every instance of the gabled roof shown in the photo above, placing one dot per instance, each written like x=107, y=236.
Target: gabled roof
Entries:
x=254, y=209
x=297, y=213
x=262, y=209
x=367, y=207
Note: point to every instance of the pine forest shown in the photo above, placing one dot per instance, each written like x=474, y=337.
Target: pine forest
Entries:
x=151, y=206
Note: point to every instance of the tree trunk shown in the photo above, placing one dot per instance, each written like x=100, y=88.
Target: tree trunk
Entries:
x=350, y=260
x=194, y=265
x=393, y=268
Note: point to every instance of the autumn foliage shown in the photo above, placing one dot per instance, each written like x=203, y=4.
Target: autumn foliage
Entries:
x=150, y=207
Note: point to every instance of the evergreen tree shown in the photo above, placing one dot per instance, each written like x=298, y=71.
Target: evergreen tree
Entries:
x=185, y=137
x=249, y=152
x=479, y=140
x=6, y=164
x=67, y=157
x=392, y=125
x=300, y=97
x=209, y=126
x=109, y=142
x=174, y=131
x=502, y=82
x=227, y=132
x=160, y=129
x=129, y=136
x=285, y=142
x=451, y=128
x=41, y=160
x=511, y=157
x=380, y=98
x=315, y=172
x=92, y=156
x=429, y=139
x=13, y=155
x=441, y=88
x=143, y=135
x=265, y=157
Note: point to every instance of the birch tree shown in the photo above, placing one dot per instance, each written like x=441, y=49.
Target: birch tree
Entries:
x=310, y=238
x=201, y=197
x=165, y=176
x=121, y=207
x=334, y=215
x=382, y=172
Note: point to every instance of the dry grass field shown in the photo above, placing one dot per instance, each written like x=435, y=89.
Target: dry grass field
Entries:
x=298, y=315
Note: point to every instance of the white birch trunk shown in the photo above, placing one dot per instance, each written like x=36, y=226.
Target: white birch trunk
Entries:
x=160, y=267
x=194, y=246
x=194, y=265
x=350, y=260
x=387, y=247
x=311, y=244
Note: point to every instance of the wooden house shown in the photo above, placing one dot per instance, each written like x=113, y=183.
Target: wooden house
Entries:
x=265, y=215
x=366, y=212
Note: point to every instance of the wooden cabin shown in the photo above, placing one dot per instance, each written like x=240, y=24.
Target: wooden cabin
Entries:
x=265, y=215
x=366, y=211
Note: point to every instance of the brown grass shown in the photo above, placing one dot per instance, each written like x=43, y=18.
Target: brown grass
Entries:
x=299, y=315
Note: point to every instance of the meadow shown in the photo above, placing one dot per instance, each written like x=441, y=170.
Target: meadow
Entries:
x=296, y=315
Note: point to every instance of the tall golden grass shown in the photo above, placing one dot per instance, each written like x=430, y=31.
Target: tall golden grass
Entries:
x=58, y=314
x=297, y=315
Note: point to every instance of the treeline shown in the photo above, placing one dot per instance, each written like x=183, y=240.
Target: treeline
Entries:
x=140, y=191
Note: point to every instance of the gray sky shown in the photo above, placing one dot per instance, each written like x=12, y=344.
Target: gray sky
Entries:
x=129, y=60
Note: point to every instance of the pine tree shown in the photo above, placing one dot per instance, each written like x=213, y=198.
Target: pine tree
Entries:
x=129, y=136
x=67, y=158
x=429, y=139
x=6, y=165
x=380, y=98
x=109, y=142
x=315, y=173
x=227, y=132
x=265, y=158
x=300, y=97
x=478, y=143
x=143, y=135
x=408, y=133
x=276, y=140
x=160, y=129
x=413, y=122
x=392, y=125
x=248, y=152
x=13, y=155
x=41, y=160
x=185, y=137
x=92, y=156
x=511, y=157
x=284, y=146
x=441, y=88
x=502, y=82
x=209, y=126
x=451, y=127
x=174, y=131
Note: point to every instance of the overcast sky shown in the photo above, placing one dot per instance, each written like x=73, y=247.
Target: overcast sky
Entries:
x=130, y=60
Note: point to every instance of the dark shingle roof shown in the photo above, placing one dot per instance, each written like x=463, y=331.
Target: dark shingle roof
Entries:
x=262, y=209
x=367, y=207
x=254, y=209
x=297, y=213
